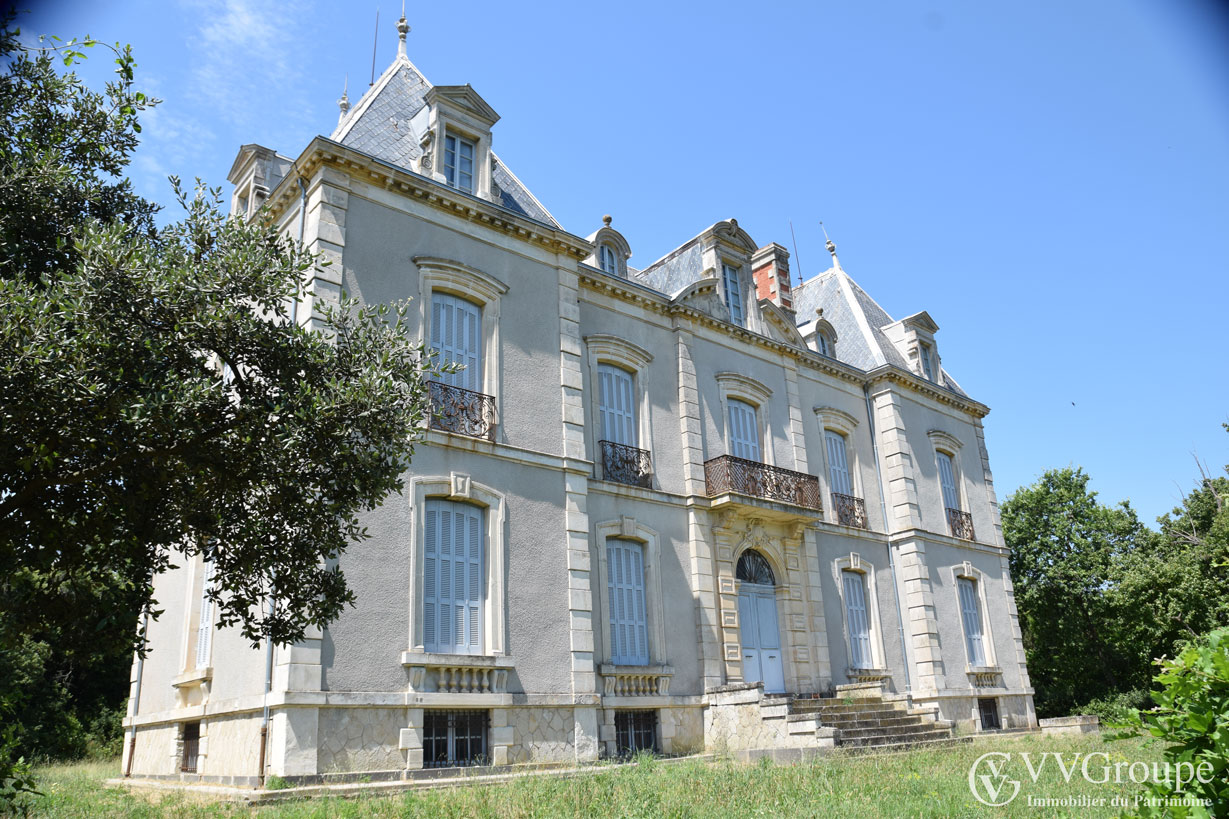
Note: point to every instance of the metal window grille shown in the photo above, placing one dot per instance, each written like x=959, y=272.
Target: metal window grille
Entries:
x=191, y=747
x=635, y=731
x=989, y=709
x=454, y=738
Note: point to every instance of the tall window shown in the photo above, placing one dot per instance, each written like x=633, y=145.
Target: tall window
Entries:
x=821, y=341
x=744, y=430
x=629, y=631
x=947, y=478
x=204, y=623
x=456, y=334
x=459, y=163
x=928, y=365
x=733, y=294
x=970, y=613
x=856, y=619
x=838, y=467
x=616, y=405
x=607, y=260
x=453, y=583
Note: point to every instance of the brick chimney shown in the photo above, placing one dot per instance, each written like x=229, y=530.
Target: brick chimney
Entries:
x=770, y=268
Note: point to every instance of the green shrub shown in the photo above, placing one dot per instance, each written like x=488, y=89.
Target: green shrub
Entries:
x=276, y=783
x=1192, y=717
x=1116, y=709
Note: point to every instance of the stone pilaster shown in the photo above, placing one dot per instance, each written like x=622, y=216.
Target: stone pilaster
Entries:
x=690, y=425
x=797, y=435
x=813, y=574
x=992, y=498
x=703, y=588
x=294, y=732
x=724, y=542
x=324, y=233
x=921, y=623
x=800, y=671
x=899, y=469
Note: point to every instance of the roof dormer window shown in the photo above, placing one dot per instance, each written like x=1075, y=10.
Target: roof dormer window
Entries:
x=459, y=163
x=926, y=354
x=607, y=259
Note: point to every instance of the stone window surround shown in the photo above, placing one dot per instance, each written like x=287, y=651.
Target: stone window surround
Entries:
x=627, y=528
x=914, y=339
x=968, y=571
x=459, y=487
x=608, y=349
x=448, y=120
x=854, y=562
x=824, y=328
x=187, y=657
x=449, y=276
x=746, y=294
x=949, y=445
x=607, y=235
x=843, y=424
x=750, y=391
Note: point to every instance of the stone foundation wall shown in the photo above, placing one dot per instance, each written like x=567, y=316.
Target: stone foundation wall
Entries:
x=231, y=746
x=541, y=735
x=681, y=730
x=1015, y=712
x=155, y=750
x=360, y=739
x=735, y=721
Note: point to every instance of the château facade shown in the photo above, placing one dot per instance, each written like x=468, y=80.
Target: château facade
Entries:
x=653, y=502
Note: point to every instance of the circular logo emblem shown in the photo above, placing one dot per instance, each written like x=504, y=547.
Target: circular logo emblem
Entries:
x=988, y=781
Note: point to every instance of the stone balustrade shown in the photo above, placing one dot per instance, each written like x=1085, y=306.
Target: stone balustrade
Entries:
x=636, y=681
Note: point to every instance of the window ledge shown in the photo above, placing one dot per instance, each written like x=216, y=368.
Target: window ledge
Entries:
x=195, y=677
x=984, y=676
x=636, y=680
x=432, y=660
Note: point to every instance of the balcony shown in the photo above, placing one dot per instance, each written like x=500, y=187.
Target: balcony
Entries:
x=730, y=474
x=626, y=464
x=850, y=511
x=461, y=411
x=960, y=524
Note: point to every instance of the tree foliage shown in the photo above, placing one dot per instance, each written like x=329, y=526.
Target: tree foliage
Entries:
x=157, y=403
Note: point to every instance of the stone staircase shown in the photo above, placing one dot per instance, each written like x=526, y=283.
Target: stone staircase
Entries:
x=866, y=718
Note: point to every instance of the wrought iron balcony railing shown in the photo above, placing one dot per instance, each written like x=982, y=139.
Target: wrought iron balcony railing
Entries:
x=626, y=464
x=730, y=474
x=462, y=411
x=960, y=524
x=850, y=511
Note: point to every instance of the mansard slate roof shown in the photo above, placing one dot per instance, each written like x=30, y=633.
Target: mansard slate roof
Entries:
x=388, y=123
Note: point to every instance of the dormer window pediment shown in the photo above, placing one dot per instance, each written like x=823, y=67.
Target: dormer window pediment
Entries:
x=457, y=143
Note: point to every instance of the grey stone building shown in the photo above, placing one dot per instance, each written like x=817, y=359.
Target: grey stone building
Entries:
x=659, y=508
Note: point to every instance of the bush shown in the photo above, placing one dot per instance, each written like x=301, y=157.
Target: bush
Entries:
x=1116, y=709
x=1192, y=716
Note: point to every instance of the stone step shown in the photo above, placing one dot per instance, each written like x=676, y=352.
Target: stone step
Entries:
x=868, y=713
x=906, y=747
x=774, y=711
x=879, y=740
x=898, y=731
x=891, y=722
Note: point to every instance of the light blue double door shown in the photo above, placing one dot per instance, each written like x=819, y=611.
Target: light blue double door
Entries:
x=760, y=636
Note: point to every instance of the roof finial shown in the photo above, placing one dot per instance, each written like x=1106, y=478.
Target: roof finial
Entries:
x=403, y=28
x=606, y=220
x=344, y=102
x=831, y=245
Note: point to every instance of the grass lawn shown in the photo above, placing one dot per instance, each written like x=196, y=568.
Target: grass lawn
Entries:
x=922, y=783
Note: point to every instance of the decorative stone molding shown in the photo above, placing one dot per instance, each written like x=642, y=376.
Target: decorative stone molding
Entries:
x=836, y=420
x=945, y=441
x=854, y=562
x=736, y=385
x=984, y=676
x=627, y=528
x=636, y=681
x=457, y=673
x=868, y=675
x=615, y=350
x=968, y=571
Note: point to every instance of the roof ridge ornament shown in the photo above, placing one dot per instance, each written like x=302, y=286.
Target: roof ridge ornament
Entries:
x=403, y=28
x=831, y=245
x=344, y=103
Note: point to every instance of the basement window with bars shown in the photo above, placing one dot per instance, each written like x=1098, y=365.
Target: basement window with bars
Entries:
x=454, y=738
x=989, y=709
x=191, y=747
x=635, y=731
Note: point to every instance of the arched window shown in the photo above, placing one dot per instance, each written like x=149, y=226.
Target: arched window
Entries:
x=607, y=259
x=753, y=568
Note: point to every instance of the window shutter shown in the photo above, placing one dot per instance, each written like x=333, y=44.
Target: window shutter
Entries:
x=616, y=405
x=970, y=612
x=733, y=294
x=744, y=432
x=629, y=632
x=947, y=477
x=856, y=619
x=456, y=334
x=204, y=627
x=453, y=564
x=838, y=468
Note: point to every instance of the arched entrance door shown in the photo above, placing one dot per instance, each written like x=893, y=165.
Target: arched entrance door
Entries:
x=757, y=623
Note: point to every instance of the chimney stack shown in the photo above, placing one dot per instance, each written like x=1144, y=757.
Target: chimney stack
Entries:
x=770, y=268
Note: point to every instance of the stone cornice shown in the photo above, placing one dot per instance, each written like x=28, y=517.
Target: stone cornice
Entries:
x=324, y=152
x=904, y=378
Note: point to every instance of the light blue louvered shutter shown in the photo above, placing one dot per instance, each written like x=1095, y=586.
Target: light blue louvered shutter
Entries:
x=616, y=405
x=947, y=477
x=629, y=632
x=453, y=565
x=744, y=432
x=838, y=467
x=456, y=334
x=733, y=293
x=204, y=623
x=970, y=612
x=856, y=619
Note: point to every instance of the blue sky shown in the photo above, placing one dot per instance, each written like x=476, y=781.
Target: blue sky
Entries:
x=1050, y=180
